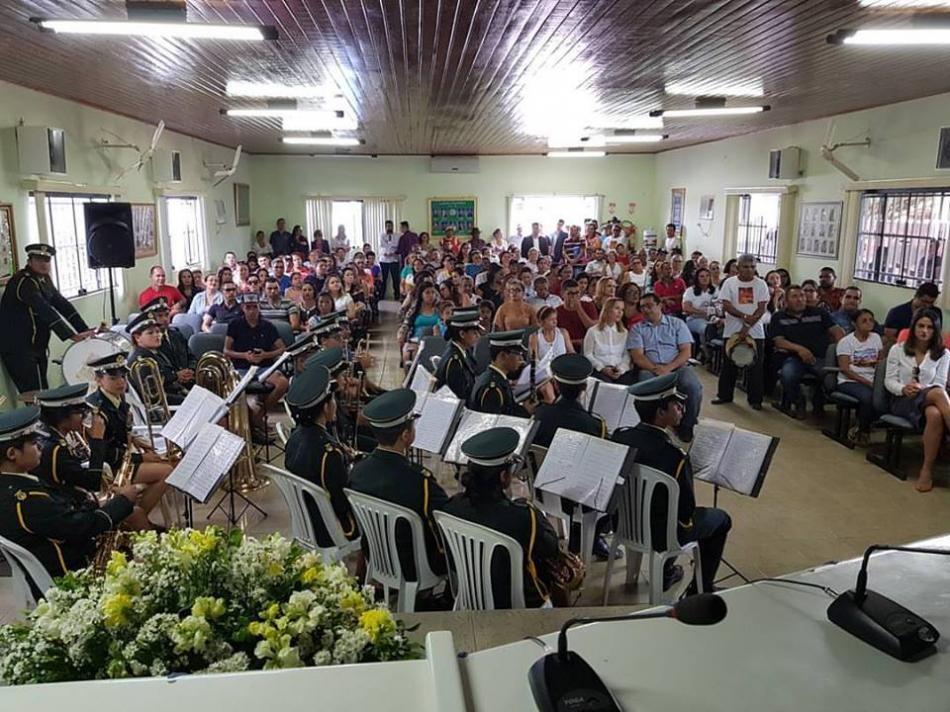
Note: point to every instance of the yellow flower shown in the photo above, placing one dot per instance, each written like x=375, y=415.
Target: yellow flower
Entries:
x=200, y=542
x=310, y=575
x=377, y=623
x=274, y=569
x=116, y=564
x=115, y=610
x=353, y=601
x=207, y=607
x=271, y=612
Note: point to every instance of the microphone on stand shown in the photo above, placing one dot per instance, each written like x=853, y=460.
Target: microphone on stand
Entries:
x=881, y=622
x=564, y=681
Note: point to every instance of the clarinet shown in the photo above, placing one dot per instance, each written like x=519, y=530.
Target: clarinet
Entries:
x=532, y=379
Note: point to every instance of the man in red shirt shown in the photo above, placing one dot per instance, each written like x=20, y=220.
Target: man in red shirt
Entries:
x=158, y=288
x=574, y=315
x=670, y=290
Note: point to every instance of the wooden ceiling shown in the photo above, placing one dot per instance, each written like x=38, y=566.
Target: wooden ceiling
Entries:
x=479, y=76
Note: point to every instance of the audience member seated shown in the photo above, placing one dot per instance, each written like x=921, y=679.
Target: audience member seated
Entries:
x=542, y=295
x=483, y=500
x=597, y=266
x=801, y=336
x=187, y=287
x=669, y=289
x=659, y=404
x=630, y=294
x=662, y=344
x=829, y=296
x=492, y=391
x=916, y=378
x=205, y=299
x=575, y=315
x=810, y=290
x=158, y=288
x=549, y=337
x=700, y=305
x=858, y=354
x=900, y=317
x=422, y=319
x=850, y=304
x=515, y=312
x=225, y=311
x=387, y=474
x=146, y=337
x=605, y=345
x=274, y=308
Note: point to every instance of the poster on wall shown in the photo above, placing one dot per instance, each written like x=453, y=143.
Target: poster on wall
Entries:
x=819, y=227
x=143, y=226
x=458, y=213
x=677, y=204
x=242, y=204
x=8, y=256
x=706, y=207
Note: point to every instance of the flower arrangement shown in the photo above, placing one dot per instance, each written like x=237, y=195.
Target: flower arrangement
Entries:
x=193, y=601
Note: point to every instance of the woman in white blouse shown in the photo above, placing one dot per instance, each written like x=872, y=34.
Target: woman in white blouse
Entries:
x=605, y=345
x=916, y=377
x=550, y=337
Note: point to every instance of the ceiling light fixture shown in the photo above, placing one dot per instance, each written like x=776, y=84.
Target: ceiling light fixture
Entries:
x=709, y=106
x=267, y=90
x=575, y=154
x=907, y=36
x=635, y=138
x=576, y=141
x=698, y=86
x=320, y=141
x=170, y=30
x=307, y=120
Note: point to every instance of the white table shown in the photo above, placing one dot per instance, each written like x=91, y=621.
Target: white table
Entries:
x=776, y=650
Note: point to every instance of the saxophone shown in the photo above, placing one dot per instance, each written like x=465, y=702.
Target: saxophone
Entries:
x=109, y=541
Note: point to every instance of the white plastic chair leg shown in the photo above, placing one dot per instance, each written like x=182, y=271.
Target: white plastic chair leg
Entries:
x=406, y=603
x=698, y=570
x=614, y=545
x=634, y=559
x=588, y=530
x=656, y=579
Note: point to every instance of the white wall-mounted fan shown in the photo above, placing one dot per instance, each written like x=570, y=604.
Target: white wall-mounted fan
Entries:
x=222, y=171
x=828, y=152
x=144, y=156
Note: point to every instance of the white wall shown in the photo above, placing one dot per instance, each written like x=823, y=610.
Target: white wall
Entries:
x=903, y=145
x=89, y=165
x=280, y=184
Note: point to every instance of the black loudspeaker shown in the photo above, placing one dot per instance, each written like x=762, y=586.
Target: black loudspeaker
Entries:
x=110, y=240
x=943, y=149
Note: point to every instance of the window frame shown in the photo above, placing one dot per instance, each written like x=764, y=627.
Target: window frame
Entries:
x=746, y=199
x=201, y=222
x=549, y=225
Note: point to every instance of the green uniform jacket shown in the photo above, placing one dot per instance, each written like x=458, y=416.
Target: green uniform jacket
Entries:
x=60, y=468
x=30, y=309
x=492, y=394
x=457, y=371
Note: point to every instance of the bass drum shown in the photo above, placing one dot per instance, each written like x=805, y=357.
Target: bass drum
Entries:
x=74, y=368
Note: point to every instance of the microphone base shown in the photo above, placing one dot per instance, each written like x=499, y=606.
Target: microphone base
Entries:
x=885, y=624
x=569, y=685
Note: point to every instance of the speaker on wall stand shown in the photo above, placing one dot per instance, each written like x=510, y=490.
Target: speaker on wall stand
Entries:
x=110, y=240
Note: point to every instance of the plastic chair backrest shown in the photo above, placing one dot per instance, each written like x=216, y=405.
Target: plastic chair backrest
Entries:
x=471, y=547
x=879, y=394
x=25, y=567
x=282, y=433
x=430, y=346
x=284, y=331
x=482, y=354
x=192, y=321
x=377, y=519
x=200, y=344
x=830, y=381
x=635, y=501
x=184, y=329
x=219, y=327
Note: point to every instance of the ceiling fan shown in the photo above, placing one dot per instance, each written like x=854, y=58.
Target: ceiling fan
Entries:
x=828, y=152
x=223, y=171
x=144, y=156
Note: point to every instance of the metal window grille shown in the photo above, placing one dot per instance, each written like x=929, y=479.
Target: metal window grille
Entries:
x=757, y=227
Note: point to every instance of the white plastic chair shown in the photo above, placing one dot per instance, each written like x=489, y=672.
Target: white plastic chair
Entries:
x=25, y=567
x=634, y=531
x=471, y=546
x=293, y=489
x=282, y=435
x=551, y=506
x=377, y=519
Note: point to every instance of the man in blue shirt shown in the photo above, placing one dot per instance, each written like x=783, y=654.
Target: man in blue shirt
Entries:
x=662, y=344
x=281, y=241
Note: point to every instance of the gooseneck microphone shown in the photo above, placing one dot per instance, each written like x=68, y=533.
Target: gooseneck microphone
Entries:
x=564, y=682
x=881, y=622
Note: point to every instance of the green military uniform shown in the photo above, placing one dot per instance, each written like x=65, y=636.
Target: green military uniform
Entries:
x=571, y=371
x=58, y=465
x=457, y=367
x=175, y=348
x=492, y=394
x=174, y=391
x=118, y=417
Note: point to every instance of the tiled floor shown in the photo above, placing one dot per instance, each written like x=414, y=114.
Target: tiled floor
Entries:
x=820, y=501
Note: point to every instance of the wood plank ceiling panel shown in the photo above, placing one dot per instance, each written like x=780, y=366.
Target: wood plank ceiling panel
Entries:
x=477, y=76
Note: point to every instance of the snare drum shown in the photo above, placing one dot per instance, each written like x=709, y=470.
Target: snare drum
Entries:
x=741, y=350
x=73, y=364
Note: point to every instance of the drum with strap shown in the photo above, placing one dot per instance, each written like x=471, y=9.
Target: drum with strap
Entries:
x=740, y=349
x=73, y=362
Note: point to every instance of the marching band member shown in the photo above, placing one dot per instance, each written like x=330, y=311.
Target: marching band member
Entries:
x=570, y=373
x=147, y=341
x=174, y=344
x=492, y=391
x=457, y=367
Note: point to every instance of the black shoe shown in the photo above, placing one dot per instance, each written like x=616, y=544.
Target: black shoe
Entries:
x=601, y=550
x=672, y=575
x=721, y=401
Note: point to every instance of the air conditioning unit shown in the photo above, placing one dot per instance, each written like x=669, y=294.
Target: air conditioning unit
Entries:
x=453, y=164
x=785, y=163
x=41, y=150
x=166, y=166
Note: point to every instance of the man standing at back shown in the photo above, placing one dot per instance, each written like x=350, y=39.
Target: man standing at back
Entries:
x=536, y=240
x=389, y=260
x=281, y=241
x=407, y=240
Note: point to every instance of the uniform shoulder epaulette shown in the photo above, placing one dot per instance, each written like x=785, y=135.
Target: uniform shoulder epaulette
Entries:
x=425, y=472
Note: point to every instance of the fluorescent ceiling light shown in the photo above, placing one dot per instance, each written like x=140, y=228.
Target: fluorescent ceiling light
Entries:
x=697, y=86
x=267, y=90
x=635, y=138
x=306, y=120
x=320, y=141
x=901, y=4
x=577, y=141
x=180, y=30
x=907, y=36
x=575, y=154
x=711, y=111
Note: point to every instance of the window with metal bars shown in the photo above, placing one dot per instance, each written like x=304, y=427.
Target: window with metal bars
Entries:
x=757, y=226
x=902, y=236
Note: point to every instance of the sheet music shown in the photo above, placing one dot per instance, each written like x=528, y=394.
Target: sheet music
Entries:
x=436, y=422
x=589, y=394
x=472, y=423
x=197, y=409
x=581, y=468
x=241, y=386
x=710, y=440
x=542, y=372
x=421, y=381
x=609, y=404
x=522, y=425
x=209, y=457
x=742, y=462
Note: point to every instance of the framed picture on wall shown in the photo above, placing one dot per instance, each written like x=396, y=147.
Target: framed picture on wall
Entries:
x=677, y=206
x=143, y=226
x=706, y=204
x=819, y=229
x=458, y=213
x=8, y=255
x=242, y=204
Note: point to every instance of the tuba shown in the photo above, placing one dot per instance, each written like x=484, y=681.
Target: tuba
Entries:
x=115, y=539
x=215, y=373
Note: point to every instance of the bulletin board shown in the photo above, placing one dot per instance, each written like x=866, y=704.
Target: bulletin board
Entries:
x=458, y=213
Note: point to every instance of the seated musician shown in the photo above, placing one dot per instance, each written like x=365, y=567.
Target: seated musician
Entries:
x=387, y=473
x=660, y=406
x=492, y=391
x=347, y=396
x=483, y=500
x=174, y=344
x=569, y=373
x=147, y=341
x=313, y=453
x=225, y=311
x=56, y=524
x=254, y=341
x=108, y=400
x=457, y=367
x=68, y=444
